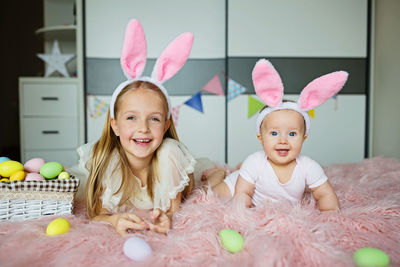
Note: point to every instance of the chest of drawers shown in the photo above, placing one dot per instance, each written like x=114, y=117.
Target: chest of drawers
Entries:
x=50, y=121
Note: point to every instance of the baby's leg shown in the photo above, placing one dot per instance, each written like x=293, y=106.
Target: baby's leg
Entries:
x=226, y=186
x=222, y=190
x=213, y=176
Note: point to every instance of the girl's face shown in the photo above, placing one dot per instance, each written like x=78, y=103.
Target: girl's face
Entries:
x=282, y=136
x=140, y=123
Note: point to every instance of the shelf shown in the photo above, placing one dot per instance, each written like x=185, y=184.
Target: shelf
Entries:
x=56, y=28
x=57, y=31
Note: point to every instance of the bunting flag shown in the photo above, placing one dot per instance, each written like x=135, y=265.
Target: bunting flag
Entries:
x=100, y=107
x=175, y=114
x=195, y=102
x=336, y=102
x=234, y=89
x=311, y=112
x=214, y=86
x=254, y=105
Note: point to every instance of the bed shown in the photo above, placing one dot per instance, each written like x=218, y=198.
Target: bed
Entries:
x=274, y=234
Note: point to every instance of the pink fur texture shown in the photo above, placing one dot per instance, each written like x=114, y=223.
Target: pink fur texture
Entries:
x=275, y=234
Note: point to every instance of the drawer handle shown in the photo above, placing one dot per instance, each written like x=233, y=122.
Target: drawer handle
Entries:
x=49, y=98
x=50, y=132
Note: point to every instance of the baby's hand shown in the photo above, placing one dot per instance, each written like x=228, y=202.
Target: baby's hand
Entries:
x=123, y=222
x=161, y=223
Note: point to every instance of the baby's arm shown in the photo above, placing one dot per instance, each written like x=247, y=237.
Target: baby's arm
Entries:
x=121, y=221
x=325, y=197
x=244, y=190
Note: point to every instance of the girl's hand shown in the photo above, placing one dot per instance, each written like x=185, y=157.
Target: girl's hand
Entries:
x=161, y=222
x=123, y=222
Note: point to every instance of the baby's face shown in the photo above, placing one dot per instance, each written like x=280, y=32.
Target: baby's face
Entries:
x=282, y=136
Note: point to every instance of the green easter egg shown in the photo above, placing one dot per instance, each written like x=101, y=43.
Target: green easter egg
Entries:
x=371, y=257
x=51, y=170
x=231, y=240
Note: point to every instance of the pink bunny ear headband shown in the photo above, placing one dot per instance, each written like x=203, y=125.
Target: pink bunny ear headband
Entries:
x=133, y=60
x=268, y=86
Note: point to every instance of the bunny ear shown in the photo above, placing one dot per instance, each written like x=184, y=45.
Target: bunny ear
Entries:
x=267, y=83
x=321, y=89
x=173, y=57
x=134, y=50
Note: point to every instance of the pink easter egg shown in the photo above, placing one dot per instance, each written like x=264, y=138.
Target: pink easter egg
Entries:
x=33, y=165
x=34, y=177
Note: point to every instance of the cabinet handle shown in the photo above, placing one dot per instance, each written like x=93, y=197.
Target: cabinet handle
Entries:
x=49, y=98
x=50, y=132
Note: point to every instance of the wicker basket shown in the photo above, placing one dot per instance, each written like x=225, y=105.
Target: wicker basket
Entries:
x=23, y=200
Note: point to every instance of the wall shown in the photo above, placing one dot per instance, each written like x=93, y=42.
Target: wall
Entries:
x=302, y=40
x=19, y=46
x=386, y=125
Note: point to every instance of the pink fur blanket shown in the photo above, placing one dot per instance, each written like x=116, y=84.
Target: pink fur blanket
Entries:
x=275, y=234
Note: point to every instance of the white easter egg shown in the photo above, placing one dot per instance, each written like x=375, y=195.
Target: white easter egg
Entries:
x=137, y=249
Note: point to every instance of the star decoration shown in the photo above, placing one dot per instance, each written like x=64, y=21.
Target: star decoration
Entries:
x=56, y=61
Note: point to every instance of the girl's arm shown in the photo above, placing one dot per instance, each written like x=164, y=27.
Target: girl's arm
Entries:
x=121, y=221
x=245, y=190
x=162, y=220
x=325, y=197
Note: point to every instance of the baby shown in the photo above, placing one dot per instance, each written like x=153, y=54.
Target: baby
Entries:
x=279, y=171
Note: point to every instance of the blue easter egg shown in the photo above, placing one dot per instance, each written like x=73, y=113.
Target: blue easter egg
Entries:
x=4, y=159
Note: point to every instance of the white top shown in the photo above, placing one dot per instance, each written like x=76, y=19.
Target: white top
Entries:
x=175, y=164
x=257, y=170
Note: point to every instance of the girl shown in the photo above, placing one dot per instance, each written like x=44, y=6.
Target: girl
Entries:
x=138, y=164
x=279, y=171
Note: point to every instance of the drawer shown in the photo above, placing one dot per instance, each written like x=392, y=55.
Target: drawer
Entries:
x=49, y=99
x=65, y=157
x=50, y=133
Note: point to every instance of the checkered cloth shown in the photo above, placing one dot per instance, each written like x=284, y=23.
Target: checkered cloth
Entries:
x=234, y=89
x=57, y=185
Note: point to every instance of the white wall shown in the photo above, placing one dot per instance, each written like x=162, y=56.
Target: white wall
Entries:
x=386, y=124
x=161, y=20
x=202, y=133
x=293, y=28
x=337, y=133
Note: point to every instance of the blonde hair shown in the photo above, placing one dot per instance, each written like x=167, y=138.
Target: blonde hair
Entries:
x=103, y=151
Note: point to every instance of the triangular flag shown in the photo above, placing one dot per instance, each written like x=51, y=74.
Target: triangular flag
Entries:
x=234, y=89
x=195, y=102
x=335, y=97
x=311, y=112
x=100, y=108
x=254, y=105
x=175, y=114
x=214, y=86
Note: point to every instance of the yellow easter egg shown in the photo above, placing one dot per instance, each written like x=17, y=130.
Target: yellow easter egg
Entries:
x=58, y=226
x=63, y=175
x=18, y=176
x=8, y=167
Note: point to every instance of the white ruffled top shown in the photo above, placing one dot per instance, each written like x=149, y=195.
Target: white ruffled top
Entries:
x=175, y=164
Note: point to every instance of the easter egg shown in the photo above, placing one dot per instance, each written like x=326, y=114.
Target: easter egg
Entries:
x=371, y=257
x=231, y=240
x=136, y=249
x=33, y=165
x=34, y=177
x=9, y=167
x=4, y=159
x=51, y=170
x=58, y=226
x=18, y=176
x=63, y=175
